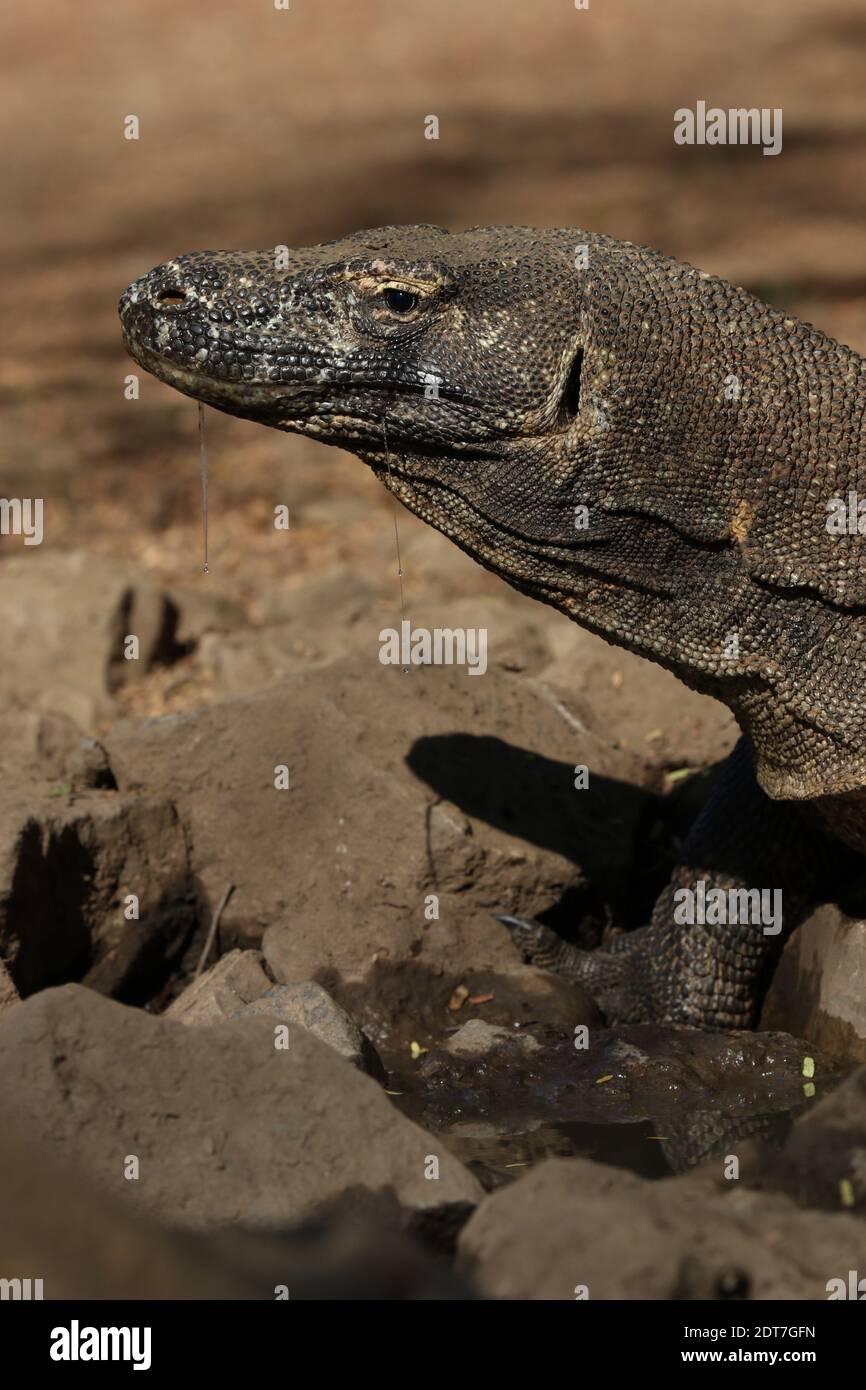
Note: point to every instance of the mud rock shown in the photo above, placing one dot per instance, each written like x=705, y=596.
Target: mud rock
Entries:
x=67, y=869
x=72, y=665
x=404, y=1002
x=818, y=990
x=577, y=1229
x=200, y=612
x=59, y=1226
x=88, y=1245
x=8, y=993
x=301, y=624
x=243, y=663
x=645, y=707
x=335, y=599
x=320, y=620
x=87, y=768
x=227, y=1128
x=41, y=739
x=396, y=837
x=309, y=1006
x=235, y=980
x=823, y=1161
x=479, y=1039
x=48, y=747
x=518, y=635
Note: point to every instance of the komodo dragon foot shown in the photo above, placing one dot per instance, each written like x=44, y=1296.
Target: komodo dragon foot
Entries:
x=611, y=976
x=749, y=871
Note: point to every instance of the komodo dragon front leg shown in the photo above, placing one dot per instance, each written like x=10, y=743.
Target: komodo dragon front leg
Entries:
x=741, y=841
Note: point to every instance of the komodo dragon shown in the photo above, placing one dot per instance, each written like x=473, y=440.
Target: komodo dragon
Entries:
x=500, y=380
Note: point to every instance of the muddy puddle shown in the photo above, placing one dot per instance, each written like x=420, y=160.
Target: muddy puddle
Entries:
x=649, y=1099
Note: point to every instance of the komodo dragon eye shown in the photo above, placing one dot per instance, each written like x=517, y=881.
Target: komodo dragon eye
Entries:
x=400, y=301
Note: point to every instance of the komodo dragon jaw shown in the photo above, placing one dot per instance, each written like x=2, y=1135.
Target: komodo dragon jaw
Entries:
x=637, y=443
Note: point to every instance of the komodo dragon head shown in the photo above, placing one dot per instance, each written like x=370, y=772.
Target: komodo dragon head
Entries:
x=637, y=443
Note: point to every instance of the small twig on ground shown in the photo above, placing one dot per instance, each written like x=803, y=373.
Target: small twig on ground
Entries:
x=214, y=926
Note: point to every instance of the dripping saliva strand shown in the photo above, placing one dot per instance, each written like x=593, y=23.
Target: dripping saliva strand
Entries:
x=203, y=463
x=396, y=530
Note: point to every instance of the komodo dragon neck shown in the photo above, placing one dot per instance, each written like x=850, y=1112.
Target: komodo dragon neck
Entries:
x=634, y=442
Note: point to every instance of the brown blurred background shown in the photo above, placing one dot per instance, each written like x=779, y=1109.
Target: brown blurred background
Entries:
x=261, y=126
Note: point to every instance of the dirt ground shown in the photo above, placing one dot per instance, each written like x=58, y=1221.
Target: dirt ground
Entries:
x=258, y=127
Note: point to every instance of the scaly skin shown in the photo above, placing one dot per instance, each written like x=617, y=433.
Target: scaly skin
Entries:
x=496, y=380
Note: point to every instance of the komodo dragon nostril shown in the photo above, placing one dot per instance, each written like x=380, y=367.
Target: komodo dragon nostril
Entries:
x=170, y=296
